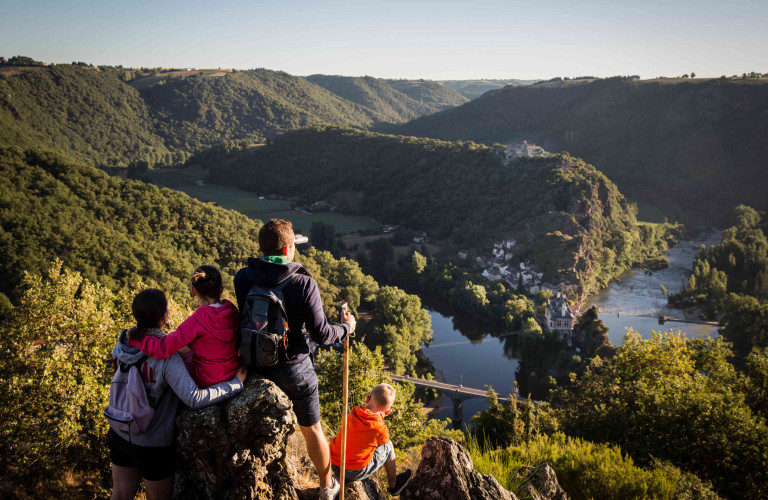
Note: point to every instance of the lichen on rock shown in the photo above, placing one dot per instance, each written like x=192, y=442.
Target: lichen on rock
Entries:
x=236, y=449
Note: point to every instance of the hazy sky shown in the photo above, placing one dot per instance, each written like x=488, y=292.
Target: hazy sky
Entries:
x=409, y=39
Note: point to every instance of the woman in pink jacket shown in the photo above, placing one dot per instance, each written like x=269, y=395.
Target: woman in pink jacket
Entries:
x=211, y=333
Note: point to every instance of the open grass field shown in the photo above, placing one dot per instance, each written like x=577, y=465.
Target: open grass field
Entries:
x=144, y=82
x=248, y=203
x=649, y=213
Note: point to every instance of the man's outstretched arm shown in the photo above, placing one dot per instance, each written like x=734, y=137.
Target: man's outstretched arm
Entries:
x=318, y=326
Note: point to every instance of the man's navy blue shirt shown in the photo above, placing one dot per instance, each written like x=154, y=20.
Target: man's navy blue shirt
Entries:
x=303, y=304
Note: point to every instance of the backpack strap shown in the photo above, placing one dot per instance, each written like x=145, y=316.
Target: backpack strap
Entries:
x=281, y=284
x=301, y=270
x=124, y=368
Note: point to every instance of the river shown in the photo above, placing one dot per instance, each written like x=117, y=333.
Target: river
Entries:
x=464, y=353
x=472, y=357
x=636, y=300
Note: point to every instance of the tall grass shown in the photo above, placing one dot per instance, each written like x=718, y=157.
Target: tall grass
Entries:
x=585, y=470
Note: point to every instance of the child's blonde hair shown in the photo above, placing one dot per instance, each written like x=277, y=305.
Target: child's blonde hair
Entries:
x=383, y=395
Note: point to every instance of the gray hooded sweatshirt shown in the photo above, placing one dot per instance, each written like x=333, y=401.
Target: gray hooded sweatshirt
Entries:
x=168, y=382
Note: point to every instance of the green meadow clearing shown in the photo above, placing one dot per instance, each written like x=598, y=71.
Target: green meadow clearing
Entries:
x=248, y=203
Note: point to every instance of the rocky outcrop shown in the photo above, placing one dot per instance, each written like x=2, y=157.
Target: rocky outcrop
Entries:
x=236, y=449
x=540, y=483
x=446, y=473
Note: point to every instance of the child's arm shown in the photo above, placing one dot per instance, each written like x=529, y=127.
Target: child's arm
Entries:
x=185, y=388
x=161, y=348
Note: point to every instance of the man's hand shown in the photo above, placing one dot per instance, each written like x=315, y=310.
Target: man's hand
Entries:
x=346, y=317
x=242, y=372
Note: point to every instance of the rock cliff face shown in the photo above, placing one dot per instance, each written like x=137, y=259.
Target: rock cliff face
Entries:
x=446, y=473
x=237, y=449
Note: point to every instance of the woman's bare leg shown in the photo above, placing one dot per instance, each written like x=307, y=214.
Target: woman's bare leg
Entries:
x=159, y=490
x=125, y=482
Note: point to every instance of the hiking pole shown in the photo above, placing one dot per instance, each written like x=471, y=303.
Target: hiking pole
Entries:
x=345, y=404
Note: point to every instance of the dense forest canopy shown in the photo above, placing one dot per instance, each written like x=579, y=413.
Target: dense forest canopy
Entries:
x=567, y=216
x=195, y=112
x=88, y=114
x=112, y=231
x=117, y=116
x=392, y=101
x=429, y=92
x=693, y=149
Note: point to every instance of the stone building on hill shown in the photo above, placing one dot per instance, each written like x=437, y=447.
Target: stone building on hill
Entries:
x=560, y=317
x=524, y=149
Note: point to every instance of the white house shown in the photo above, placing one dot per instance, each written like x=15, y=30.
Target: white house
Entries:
x=560, y=318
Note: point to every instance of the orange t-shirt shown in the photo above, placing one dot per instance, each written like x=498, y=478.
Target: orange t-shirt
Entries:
x=366, y=431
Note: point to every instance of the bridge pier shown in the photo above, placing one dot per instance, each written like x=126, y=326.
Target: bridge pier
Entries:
x=458, y=411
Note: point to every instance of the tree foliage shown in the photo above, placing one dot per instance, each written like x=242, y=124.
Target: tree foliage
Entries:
x=399, y=325
x=54, y=381
x=112, y=231
x=730, y=281
x=674, y=399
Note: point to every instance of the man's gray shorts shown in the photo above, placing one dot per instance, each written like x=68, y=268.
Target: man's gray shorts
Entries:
x=381, y=455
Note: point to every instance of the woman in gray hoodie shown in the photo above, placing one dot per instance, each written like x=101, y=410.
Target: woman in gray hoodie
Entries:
x=151, y=455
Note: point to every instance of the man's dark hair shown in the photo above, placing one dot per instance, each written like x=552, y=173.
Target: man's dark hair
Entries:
x=274, y=236
x=206, y=280
x=148, y=308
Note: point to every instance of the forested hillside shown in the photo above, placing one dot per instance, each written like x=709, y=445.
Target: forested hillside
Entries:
x=112, y=231
x=94, y=116
x=472, y=89
x=430, y=93
x=195, y=112
x=693, y=149
x=375, y=95
x=391, y=101
x=568, y=217
x=82, y=111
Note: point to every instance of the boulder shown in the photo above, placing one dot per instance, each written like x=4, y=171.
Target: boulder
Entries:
x=446, y=472
x=236, y=449
x=540, y=483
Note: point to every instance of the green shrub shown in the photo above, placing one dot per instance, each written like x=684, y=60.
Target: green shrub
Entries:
x=586, y=470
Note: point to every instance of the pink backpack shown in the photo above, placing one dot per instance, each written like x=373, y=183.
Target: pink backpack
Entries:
x=128, y=412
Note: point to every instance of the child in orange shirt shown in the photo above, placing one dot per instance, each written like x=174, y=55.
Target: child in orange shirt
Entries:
x=368, y=444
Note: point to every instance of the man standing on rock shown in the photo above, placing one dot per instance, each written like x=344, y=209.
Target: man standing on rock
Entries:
x=295, y=373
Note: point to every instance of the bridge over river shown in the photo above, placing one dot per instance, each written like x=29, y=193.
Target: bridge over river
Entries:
x=457, y=394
